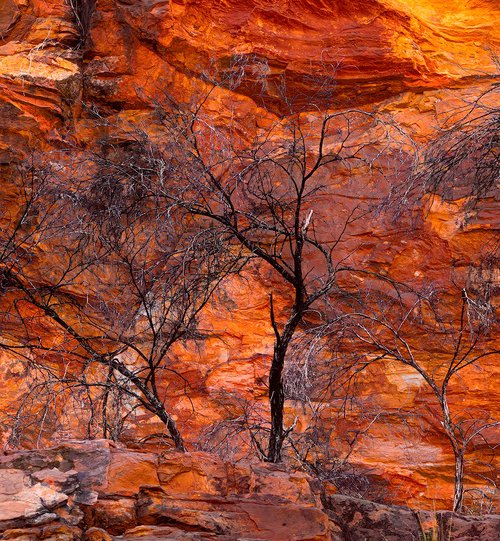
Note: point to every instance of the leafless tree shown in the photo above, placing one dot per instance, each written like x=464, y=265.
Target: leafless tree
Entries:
x=463, y=159
x=26, y=214
x=458, y=332
x=24, y=190
x=128, y=280
x=263, y=194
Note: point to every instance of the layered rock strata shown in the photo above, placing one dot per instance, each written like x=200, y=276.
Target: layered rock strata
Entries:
x=415, y=60
x=95, y=491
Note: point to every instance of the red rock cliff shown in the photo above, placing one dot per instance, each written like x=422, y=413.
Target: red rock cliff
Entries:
x=415, y=60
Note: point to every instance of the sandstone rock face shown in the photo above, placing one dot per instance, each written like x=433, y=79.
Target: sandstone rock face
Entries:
x=135, y=494
x=414, y=60
x=195, y=497
x=9, y=14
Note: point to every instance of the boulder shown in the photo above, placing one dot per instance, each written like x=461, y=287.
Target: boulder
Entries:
x=266, y=516
x=97, y=534
x=354, y=519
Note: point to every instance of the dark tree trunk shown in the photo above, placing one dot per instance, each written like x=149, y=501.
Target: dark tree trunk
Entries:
x=153, y=404
x=172, y=430
x=277, y=402
x=276, y=386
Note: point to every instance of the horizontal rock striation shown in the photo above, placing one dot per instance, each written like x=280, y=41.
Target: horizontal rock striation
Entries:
x=96, y=491
x=74, y=72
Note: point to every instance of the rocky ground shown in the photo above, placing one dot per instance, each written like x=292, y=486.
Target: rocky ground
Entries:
x=95, y=491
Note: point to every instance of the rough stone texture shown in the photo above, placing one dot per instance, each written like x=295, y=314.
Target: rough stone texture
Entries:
x=413, y=59
x=56, y=532
x=267, y=516
x=199, y=499
x=9, y=14
x=360, y=520
x=20, y=500
x=129, y=470
x=114, y=515
x=97, y=534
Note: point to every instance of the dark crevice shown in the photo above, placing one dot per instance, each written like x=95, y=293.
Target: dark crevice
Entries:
x=82, y=12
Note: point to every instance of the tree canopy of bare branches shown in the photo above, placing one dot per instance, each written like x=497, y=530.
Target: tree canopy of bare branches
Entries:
x=391, y=327
x=264, y=196
x=463, y=159
x=127, y=281
x=153, y=222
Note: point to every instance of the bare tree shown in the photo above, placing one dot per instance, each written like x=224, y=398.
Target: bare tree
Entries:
x=24, y=189
x=463, y=159
x=262, y=194
x=457, y=332
x=127, y=281
x=27, y=214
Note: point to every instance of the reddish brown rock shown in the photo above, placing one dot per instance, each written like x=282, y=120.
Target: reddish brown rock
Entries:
x=233, y=515
x=181, y=473
x=128, y=471
x=9, y=14
x=113, y=515
x=414, y=60
x=251, y=501
x=171, y=533
x=49, y=533
x=24, y=502
x=360, y=520
x=97, y=534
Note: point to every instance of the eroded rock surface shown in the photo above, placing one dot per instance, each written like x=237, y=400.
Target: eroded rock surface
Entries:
x=414, y=60
x=95, y=491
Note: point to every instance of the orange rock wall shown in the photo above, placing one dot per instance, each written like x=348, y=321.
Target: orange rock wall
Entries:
x=414, y=60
